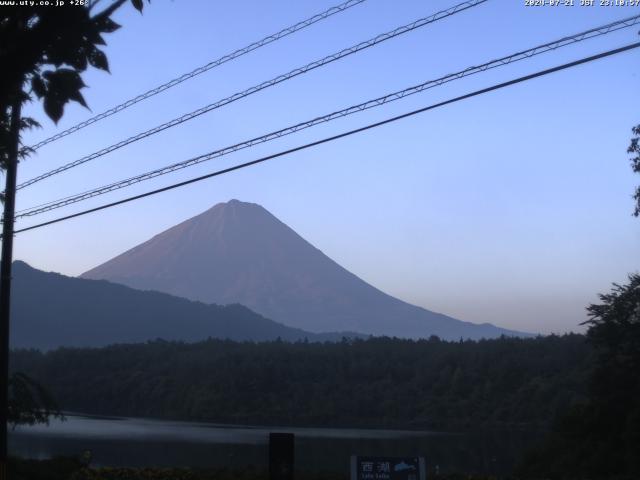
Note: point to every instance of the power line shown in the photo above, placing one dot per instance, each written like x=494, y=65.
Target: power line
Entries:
x=550, y=46
x=341, y=135
x=257, y=88
x=204, y=68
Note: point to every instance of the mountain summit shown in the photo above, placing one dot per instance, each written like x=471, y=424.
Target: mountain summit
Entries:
x=238, y=252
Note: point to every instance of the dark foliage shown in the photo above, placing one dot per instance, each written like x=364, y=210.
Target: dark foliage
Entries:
x=30, y=402
x=634, y=148
x=43, y=51
x=62, y=468
x=601, y=437
x=506, y=382
x=70, y=469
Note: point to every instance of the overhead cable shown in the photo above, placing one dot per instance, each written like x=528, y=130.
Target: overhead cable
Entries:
x=257, y=88
x=204, y=68
x=547, y=47
x=341, y=135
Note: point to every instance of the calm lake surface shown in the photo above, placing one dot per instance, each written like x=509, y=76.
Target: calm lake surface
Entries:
x=146, y=442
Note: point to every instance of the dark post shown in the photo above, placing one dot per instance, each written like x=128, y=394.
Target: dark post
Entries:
x=5, y=277
x=281, y=456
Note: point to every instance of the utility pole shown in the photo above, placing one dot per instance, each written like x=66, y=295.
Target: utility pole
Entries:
x=5, y=274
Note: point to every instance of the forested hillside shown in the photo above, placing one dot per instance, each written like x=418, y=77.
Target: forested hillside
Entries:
x=505, y=382
x=87, y=313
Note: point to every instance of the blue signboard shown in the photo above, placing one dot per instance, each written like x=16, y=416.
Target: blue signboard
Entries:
x=388, y=468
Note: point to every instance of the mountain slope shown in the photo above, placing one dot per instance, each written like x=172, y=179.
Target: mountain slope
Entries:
x=238, y=252
x=50, y=310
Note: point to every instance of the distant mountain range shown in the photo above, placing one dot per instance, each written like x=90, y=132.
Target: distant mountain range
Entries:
x=238, y=252
x=50, y=310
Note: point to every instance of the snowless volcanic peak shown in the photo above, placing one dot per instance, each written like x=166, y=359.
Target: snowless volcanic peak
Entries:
x=238, y=252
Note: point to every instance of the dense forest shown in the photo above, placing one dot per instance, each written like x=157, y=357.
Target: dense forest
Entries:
x=506, y=382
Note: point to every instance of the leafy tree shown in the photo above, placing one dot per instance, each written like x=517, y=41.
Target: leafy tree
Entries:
x=43, y=52
x=615, y=384
x=46, y=49
x=600, y=438
x=634, y=148
x=30, y=402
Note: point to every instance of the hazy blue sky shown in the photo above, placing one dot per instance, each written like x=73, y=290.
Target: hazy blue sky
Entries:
x=512, y=208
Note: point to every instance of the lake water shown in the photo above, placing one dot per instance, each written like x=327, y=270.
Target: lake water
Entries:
x=146, y=442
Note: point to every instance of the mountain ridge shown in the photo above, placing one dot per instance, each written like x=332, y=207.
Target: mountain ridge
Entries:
x=74, y=312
